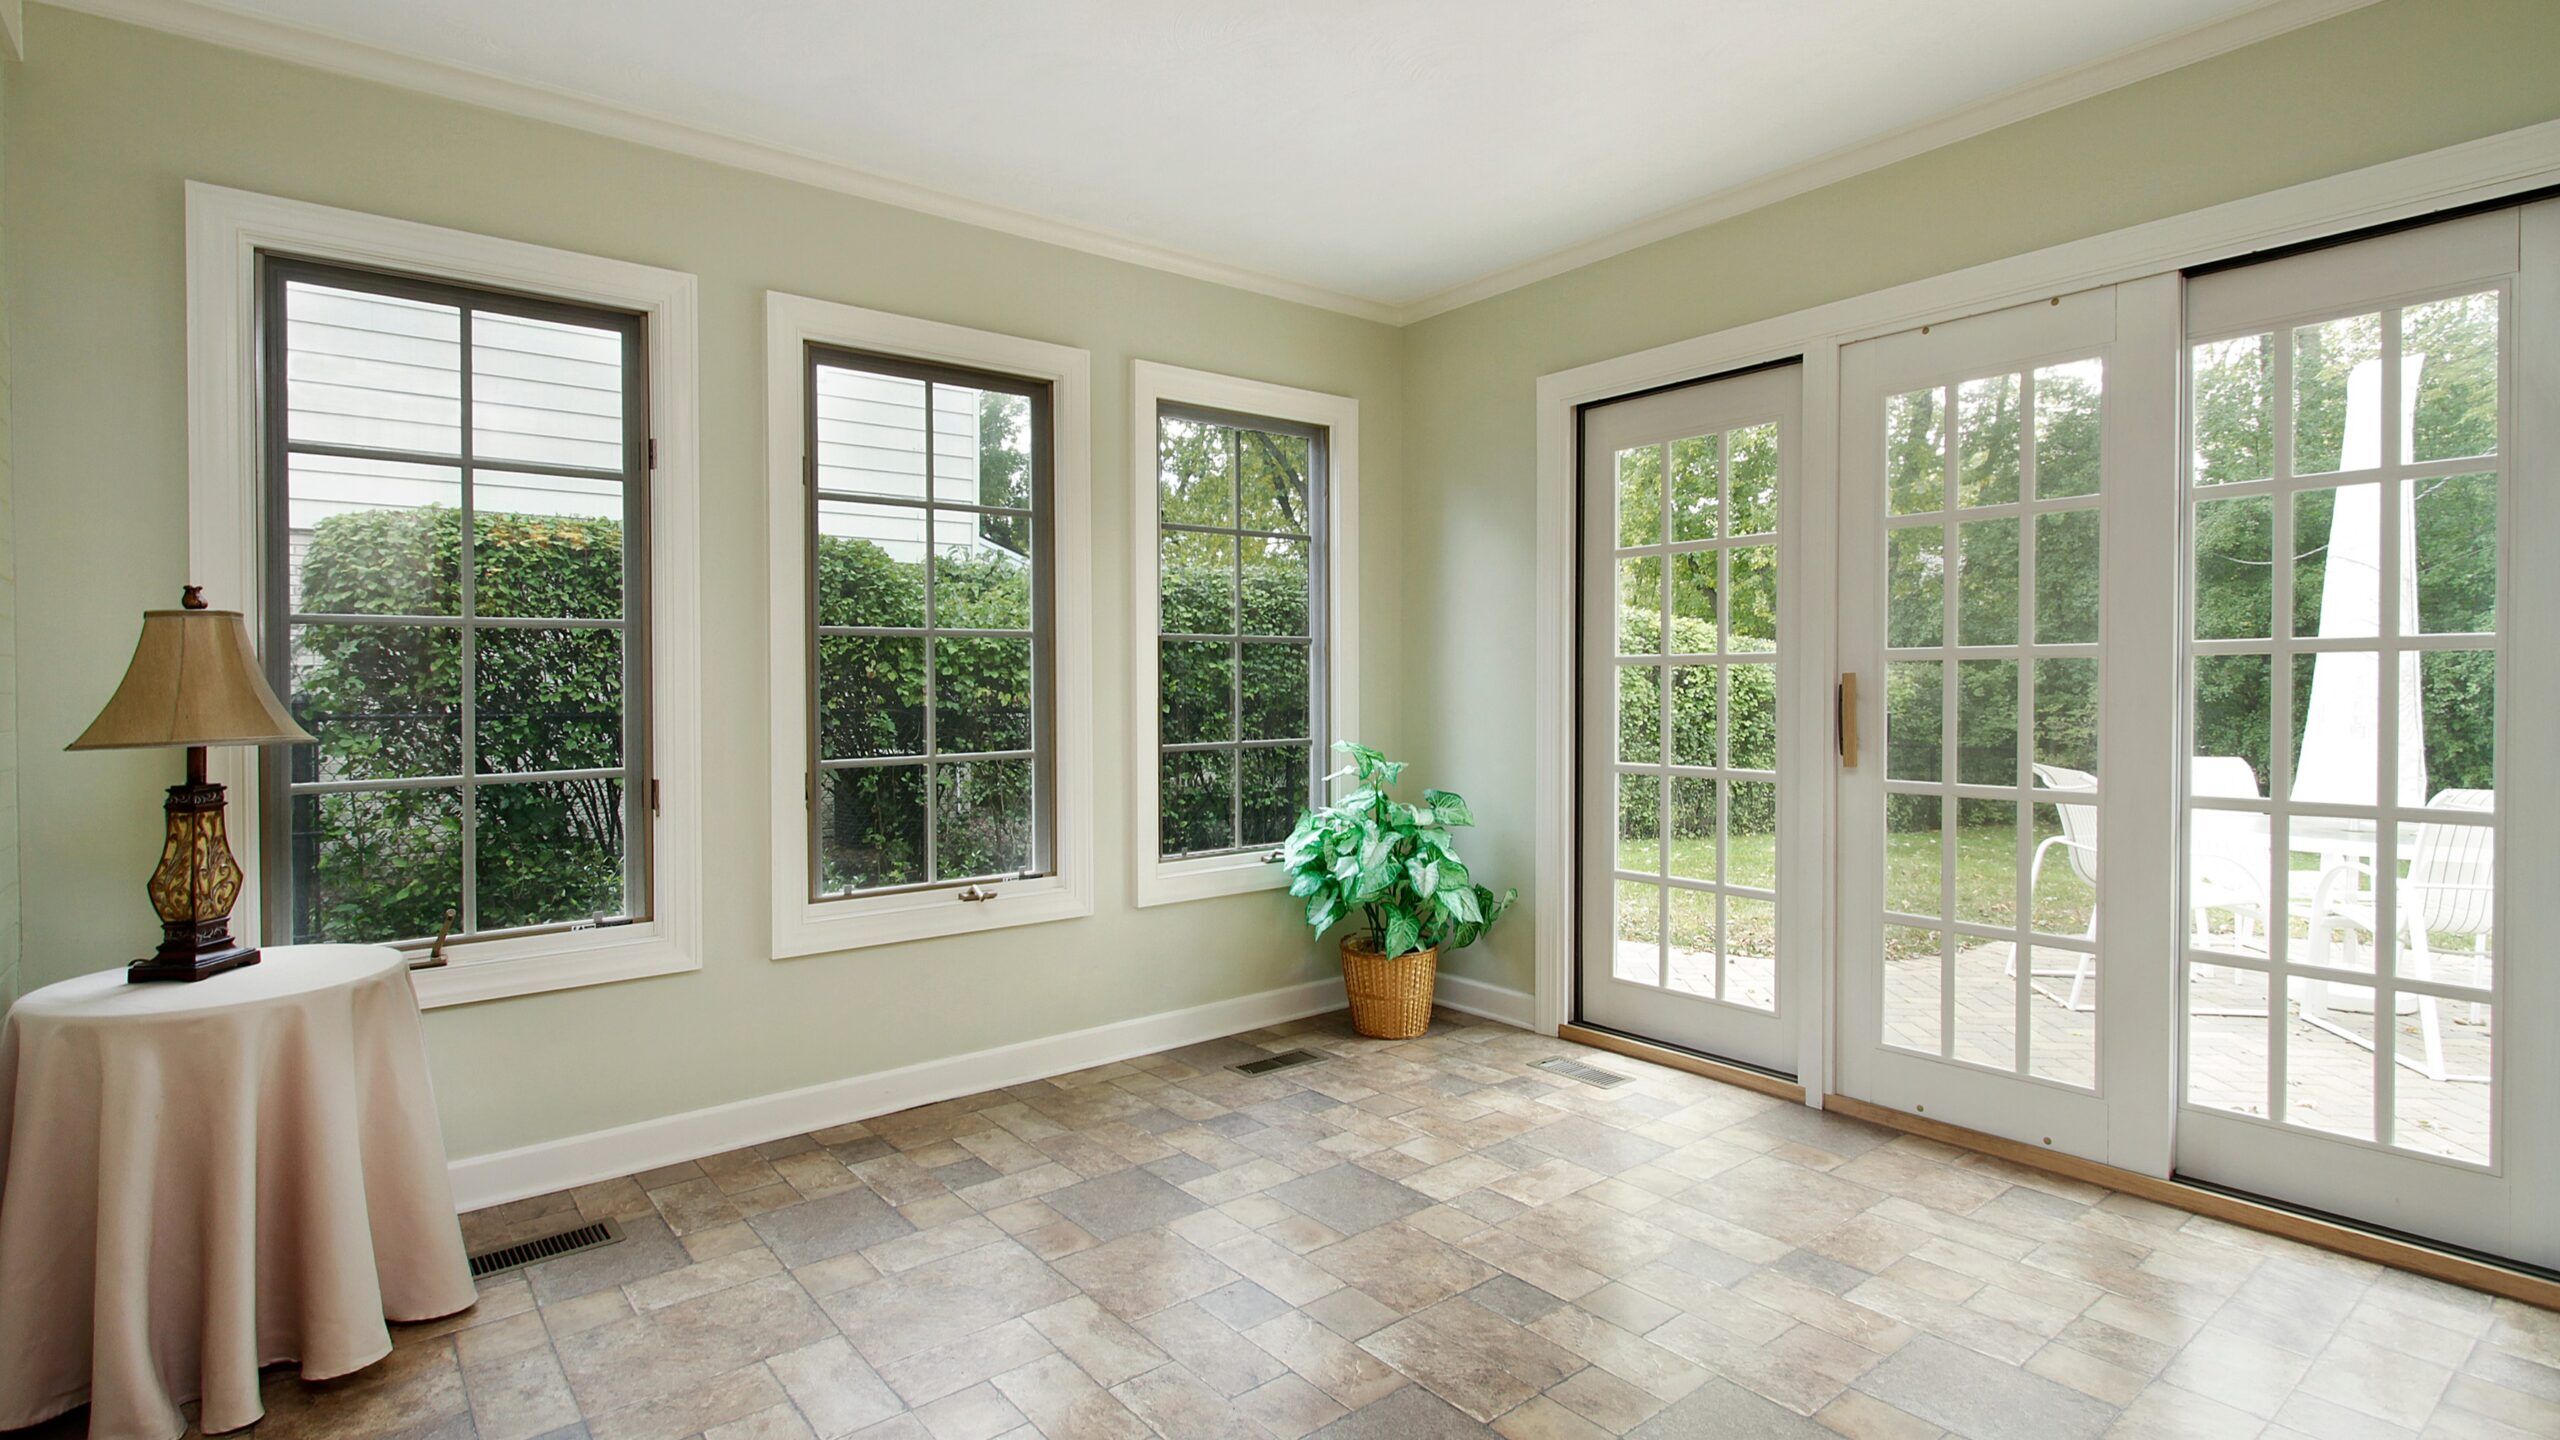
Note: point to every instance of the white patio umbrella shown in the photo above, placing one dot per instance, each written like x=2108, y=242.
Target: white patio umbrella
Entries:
x=2341, y=735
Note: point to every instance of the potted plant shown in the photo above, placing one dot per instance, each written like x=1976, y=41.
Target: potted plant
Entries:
x=1392, y=865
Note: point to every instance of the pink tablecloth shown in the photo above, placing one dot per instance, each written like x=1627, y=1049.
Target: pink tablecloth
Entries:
x=199, y=1179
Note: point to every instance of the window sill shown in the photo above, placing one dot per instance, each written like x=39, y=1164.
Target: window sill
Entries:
x=822, y=926
x=1181, y=881
x=530, y=966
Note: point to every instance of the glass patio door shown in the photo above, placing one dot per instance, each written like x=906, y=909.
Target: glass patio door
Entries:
x=2006, y=488
x=1689, y=529
x=2370, y=523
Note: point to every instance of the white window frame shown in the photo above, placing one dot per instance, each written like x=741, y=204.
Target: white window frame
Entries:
x=803, y=925
x=226, y=231
x=1170, y=882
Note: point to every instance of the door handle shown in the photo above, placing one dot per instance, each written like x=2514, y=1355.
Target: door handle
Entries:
x=1847, y=718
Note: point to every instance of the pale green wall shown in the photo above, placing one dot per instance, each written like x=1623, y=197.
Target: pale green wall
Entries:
x=9, y=907
x=106, y=123
x=2396, y=79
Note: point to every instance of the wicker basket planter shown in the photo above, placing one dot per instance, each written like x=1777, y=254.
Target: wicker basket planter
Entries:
x=1390, y=995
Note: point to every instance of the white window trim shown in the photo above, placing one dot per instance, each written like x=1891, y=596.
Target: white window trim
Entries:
x=1163, y=882
x=226, y=229
x=801, y=925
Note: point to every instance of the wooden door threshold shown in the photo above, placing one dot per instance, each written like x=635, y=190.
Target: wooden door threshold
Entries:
x=1674, y=1058
x=2477, y=1273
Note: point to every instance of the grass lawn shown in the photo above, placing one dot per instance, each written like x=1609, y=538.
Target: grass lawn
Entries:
x=1986, y=883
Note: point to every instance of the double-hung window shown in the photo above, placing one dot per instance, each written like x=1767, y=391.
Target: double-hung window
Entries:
x=928, y=582
x=1243, y=495
x=931, y=602
x=457, y=606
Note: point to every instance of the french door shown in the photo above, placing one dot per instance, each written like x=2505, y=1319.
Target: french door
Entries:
x=2373, y=535
x=2004, y=504
x=1688, y=617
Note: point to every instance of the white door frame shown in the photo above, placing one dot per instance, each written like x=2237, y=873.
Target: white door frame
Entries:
x=2476, y=171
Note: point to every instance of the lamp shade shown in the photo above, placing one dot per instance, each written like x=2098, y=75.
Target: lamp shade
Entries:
x=194, y=680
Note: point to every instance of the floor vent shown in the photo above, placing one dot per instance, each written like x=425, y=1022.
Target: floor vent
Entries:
x=548, y=1247
x=1285, y=1060
x=1587, y=1074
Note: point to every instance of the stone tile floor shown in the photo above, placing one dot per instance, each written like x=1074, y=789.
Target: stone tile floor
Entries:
x=1412, y=1240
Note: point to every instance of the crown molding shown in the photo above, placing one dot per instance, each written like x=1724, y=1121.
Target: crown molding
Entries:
x=235, y=29
x=320, y=50
x=2113, y=72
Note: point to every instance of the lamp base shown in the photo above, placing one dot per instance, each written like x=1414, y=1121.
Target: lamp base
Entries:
x=190, y=967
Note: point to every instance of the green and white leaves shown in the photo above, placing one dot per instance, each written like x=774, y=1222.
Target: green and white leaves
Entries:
x=1390, y=862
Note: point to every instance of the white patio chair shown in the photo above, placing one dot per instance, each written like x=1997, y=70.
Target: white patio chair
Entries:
x=2450, y=889
x=2078, y=843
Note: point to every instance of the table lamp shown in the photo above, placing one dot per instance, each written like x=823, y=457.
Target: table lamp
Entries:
x=194, y=681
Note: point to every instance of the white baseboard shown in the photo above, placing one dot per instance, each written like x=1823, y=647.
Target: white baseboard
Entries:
x=539, y=1169
x=1493, y=1002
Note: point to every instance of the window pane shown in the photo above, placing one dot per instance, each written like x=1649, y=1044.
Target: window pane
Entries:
x=1986, y=842
x=370, y=868
x=1197, y=681
x=1195, y=797
x=982, y=818
x=1638, y=956
x=1693, y=715
x=870, y=433
x=2067, y=578
x=545, y=391
x=2454, y=522
x=2337, y=562
x=2328, y=1073
x=2458, y=722
x=2235, y=569
x=2067, y=428
x=379, y=371
x=1751, y=952
x=1275, y=792
x=547, y=700
x=1913, y=881
x=376, y=537
x=1640, y=605
x=544, y=547
x=2067, y=719
x=1754, y=481
x=1987, y=441
x=1003, y=453
x=1751, y=716
x=1195, y=472
x=870, y=696
x=1199, y=575
x=2449, y=1116
x=1272, y=482
x=2337, y=743
x=2066, y=874
x=1987, y=583
x=1693, y=602
x=981, y=695
x=1914, y=718
x=1640, y=714
x=1693, y=828
x=1275, y=586
x=870, y=564
x=2235, y=699
x=1696, y=486
x=2233, y=405
x=384, y=702
x=1640, y=496
x=2449, y=376
x=1273, y=683
x=2227, y=1038
x=870, y=827
x=1915, y=443
x=2337, y=396
x=978, y=584
x=1751, y=600
x=1640, y=824
x=1692, y=969
x=1987, y=722
x=1913, y=985
x=1751, y=834
x=1915, y=582
x=549, y=851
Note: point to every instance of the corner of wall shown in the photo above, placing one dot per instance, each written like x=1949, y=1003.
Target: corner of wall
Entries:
x=9, y=933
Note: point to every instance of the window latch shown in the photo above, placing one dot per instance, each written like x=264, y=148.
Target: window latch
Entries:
x=436, y=959
x=1274, y=858
x=976, y=894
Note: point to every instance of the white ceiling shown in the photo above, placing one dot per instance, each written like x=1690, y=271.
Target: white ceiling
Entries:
x=1383, y=150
